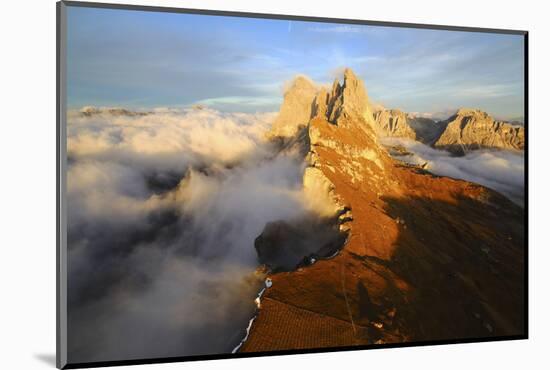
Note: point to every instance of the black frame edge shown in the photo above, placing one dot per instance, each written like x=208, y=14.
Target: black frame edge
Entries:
x=229, y=356
x=227, y=13
x=61, y=293
x=57, y=194
x=526, y=178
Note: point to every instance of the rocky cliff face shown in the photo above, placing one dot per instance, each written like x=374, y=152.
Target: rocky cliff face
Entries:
x=426, y=258
x=394, y=123
x=471, y=129
x=467, y=130
x=349, y=100
x=343, y=140
x=296, y=109
x=304, y=101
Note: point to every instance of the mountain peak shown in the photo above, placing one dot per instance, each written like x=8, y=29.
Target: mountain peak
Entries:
x=297, y=107
x=349, y=100
x=303, y=100
x=350, y=78
x=301, y=82
x=472, y=112
x=394, y=123
x=474, y=129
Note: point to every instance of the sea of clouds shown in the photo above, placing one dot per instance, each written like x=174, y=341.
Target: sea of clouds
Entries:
x=500, y=170
x=163, y=210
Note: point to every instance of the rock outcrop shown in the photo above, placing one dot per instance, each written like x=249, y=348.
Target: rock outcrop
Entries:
x=297, y=108
x=349, y=100
x=345, y=100
x=427, y=258
x=393, y=123
x=285, y=246
x=471, y=129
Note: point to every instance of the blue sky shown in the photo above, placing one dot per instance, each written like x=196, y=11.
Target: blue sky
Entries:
x=142, y=59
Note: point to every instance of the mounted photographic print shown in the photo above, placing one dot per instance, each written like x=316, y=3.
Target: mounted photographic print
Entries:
x=235, y=184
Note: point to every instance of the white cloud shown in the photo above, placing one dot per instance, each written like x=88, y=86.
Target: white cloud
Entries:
x=163, y=211
x=244, y=101
x=487, y=91
x=499, y=170
x=345, y=28
x=167, y=138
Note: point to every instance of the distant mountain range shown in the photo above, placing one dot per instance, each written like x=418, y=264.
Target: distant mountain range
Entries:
x=463, y=131
x=466, y=130
x=471, y=129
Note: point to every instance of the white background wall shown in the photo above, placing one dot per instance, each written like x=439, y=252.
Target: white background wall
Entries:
x=27, y=184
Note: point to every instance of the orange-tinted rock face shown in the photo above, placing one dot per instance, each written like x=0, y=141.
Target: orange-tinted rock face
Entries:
x=427, y=257
x=394, y=123
x=296, y=109
x=471, y=129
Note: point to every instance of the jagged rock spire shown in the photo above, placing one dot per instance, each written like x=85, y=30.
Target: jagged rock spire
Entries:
x=297, y=108
x=321, y=103
x=304, y=101
x=350, y=100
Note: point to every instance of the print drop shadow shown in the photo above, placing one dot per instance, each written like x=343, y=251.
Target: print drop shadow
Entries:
x=46, y=358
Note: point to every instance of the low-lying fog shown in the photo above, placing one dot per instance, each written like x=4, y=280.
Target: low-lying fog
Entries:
x=500, y=170
x=163, y=210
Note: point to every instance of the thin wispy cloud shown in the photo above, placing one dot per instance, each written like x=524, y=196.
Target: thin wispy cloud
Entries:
x=163, y=211
x=241, y=101
x=341, y=29
x=499, y=170
x=181, y=59
x=492, y=91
